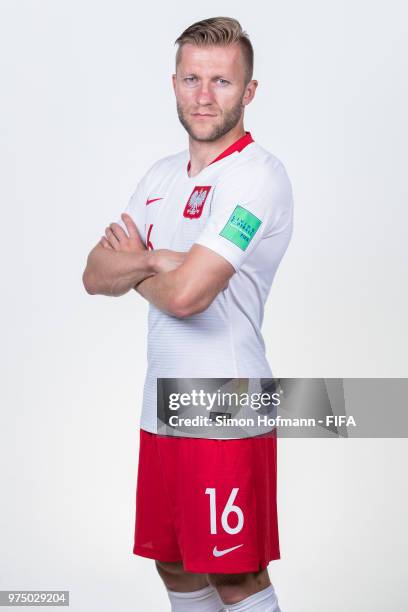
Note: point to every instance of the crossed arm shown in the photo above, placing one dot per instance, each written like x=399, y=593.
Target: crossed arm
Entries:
x=181, y=284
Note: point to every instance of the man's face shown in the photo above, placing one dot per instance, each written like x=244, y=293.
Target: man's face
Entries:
x=210, y=90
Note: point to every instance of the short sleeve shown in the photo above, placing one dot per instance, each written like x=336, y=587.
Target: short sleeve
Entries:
x=251, y=203
x=136, y=207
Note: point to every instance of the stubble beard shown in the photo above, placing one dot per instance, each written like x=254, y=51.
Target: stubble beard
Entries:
x=230, y=119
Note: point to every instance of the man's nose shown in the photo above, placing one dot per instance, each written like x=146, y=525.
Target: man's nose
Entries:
x=205, y=95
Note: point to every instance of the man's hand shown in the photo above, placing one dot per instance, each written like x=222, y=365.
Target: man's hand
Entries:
x=163, y=260
x=118, y=262
x=116, y=238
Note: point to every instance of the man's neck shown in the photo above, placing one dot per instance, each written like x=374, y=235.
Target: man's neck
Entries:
x=203, y=153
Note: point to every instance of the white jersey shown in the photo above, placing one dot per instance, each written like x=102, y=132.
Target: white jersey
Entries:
x=241, y=207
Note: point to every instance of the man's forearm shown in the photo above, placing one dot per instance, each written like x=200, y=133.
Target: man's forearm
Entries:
x=174, y=293
x=190, y=288
x=113, y=273
x=160, y=290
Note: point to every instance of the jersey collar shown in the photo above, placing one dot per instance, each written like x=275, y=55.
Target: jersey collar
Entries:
x=236, y=146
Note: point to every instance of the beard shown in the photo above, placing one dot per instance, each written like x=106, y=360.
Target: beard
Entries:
x=229, y=119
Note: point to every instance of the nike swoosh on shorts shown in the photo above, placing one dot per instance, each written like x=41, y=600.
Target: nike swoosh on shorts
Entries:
x=220, y=553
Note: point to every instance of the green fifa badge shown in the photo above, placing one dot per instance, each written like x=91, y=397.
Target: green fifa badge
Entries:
x=241, y=227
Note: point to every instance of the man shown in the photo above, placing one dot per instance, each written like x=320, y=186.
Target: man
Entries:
x=201, y=240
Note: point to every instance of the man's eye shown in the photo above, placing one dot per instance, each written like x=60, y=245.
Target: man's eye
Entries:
x=190, y=79
x=223, y=81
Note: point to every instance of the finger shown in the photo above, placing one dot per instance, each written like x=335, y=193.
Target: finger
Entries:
x=105, y=243
x=113, y=232
x=118, y=231
x=113, y=241
x=131, y=226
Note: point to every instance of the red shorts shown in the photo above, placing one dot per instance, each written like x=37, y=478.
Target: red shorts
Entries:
x=208, y=503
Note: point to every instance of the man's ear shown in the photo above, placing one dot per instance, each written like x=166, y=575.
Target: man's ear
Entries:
x=250, y=92
x=173, y=78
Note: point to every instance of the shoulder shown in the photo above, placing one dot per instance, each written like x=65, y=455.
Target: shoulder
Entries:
x=161, y=168
x=256, y=170
x=255, y=166
x=167, y=164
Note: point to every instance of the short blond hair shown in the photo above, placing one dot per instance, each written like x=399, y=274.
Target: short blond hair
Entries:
x=218, y=31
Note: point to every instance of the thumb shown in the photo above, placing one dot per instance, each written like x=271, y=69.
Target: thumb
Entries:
x=131, y=226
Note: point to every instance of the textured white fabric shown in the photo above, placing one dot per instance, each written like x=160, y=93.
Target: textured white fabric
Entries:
x=204, y=600
x=224, y=341
x=263, y=601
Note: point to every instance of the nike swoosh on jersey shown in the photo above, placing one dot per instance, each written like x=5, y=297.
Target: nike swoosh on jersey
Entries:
x=220, y=553
x=153, y=200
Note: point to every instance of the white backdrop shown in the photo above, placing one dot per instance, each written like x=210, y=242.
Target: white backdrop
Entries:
x=86, y=107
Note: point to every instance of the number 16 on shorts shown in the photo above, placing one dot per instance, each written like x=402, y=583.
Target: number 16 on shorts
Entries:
x=229, y=509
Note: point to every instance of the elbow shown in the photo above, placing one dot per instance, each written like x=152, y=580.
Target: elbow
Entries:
x=184, y=306
x=89, y=283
